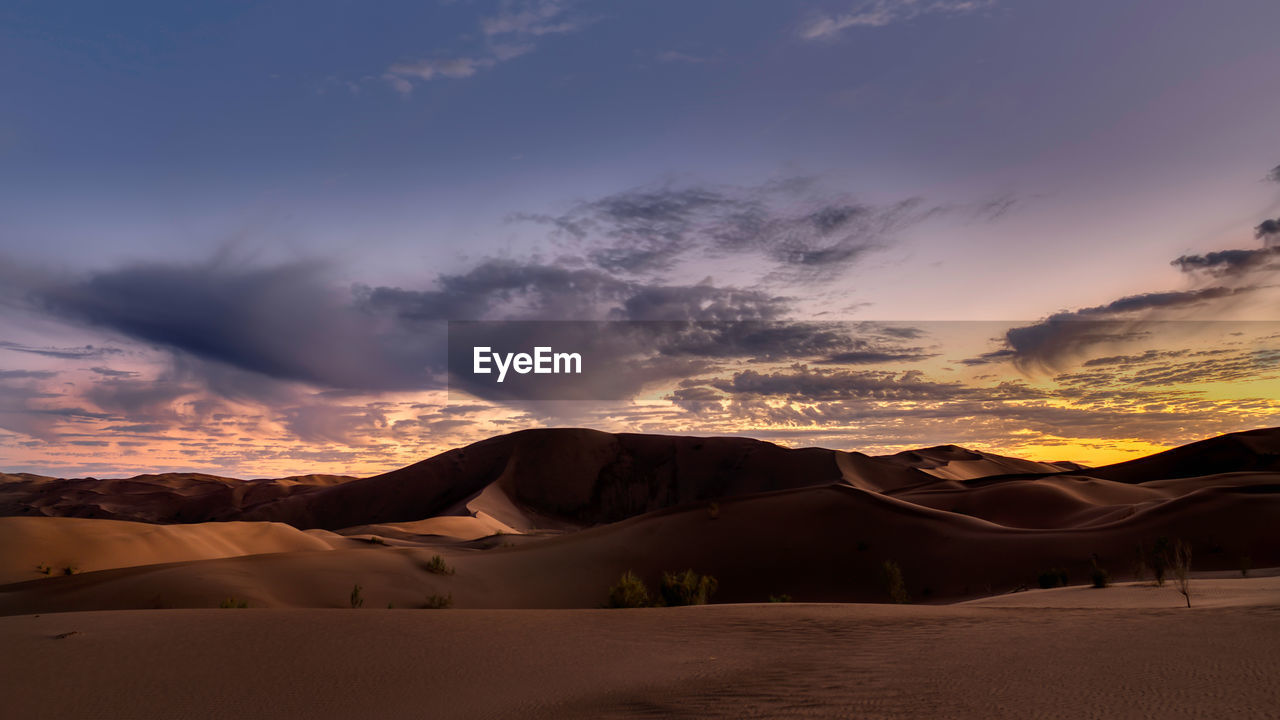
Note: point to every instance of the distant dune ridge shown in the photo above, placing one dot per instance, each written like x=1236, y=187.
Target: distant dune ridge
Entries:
x=551, y=518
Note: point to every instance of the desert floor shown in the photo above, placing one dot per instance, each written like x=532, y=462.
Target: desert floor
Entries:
x=1130, y=650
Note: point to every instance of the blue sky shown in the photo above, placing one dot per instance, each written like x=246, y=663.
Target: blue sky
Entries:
x=1003, y=150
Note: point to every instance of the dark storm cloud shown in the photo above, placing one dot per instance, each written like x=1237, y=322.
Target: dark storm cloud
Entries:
x=285, y=321
x=1274, y=175
x=792, y=224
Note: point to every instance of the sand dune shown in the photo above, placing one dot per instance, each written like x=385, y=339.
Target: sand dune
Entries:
x=32, y=547
x=164, y=498
x=952, y=462
x=552, y=518
x=814, y=544
x=1255, y=450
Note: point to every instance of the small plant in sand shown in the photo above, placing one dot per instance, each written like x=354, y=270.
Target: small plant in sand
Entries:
x=1180, y=564
x=44, y=569
x=894, y=585
x=357, y=600
x=1246, y=564
x=1053, y=577
x=70, y=570
x=375, y=540
x=438, y=602
x=628, y=592
x=687, y=588
x=1099, y=575
x=438, y=566
x=231, y=602
x=713, y=510
x=783, y=598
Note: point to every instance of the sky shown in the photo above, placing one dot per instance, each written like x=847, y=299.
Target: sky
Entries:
x=231, y=233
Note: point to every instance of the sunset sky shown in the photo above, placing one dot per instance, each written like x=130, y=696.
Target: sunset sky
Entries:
x=231, y=236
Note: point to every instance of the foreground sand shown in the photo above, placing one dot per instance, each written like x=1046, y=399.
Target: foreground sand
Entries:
x=1131, y=653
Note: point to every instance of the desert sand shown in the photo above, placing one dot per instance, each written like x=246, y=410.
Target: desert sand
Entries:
x=1054, y=657
x=522, y=536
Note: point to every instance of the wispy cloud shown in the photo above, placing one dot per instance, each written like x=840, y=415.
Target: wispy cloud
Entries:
x=879, y=13
x=544, y=17
x=62, y=353
x=507, y=35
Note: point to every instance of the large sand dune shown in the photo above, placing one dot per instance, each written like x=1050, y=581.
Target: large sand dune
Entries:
x=551, y=518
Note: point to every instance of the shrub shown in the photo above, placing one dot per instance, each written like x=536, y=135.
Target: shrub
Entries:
x=1180, y=563
x=783, y=598
x=894, y=585
x=687, y=588
x=438, y=602
x=1053, y=577
x=713, y=510
x=70, y=570
x=1246, y=564
x=44, y=569
x=1100, y=577
x=629, y=592
x=231, y=602
x=356, y=599
x=438, y=566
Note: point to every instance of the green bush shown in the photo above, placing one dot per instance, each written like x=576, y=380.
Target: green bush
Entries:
x=687, y=588
x=1053, y=577
x=438, y=602
x=629, y=592
x=231, y=602
x=438, y=566
x=894, y=584
x=783, y=598
x=357, y=600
